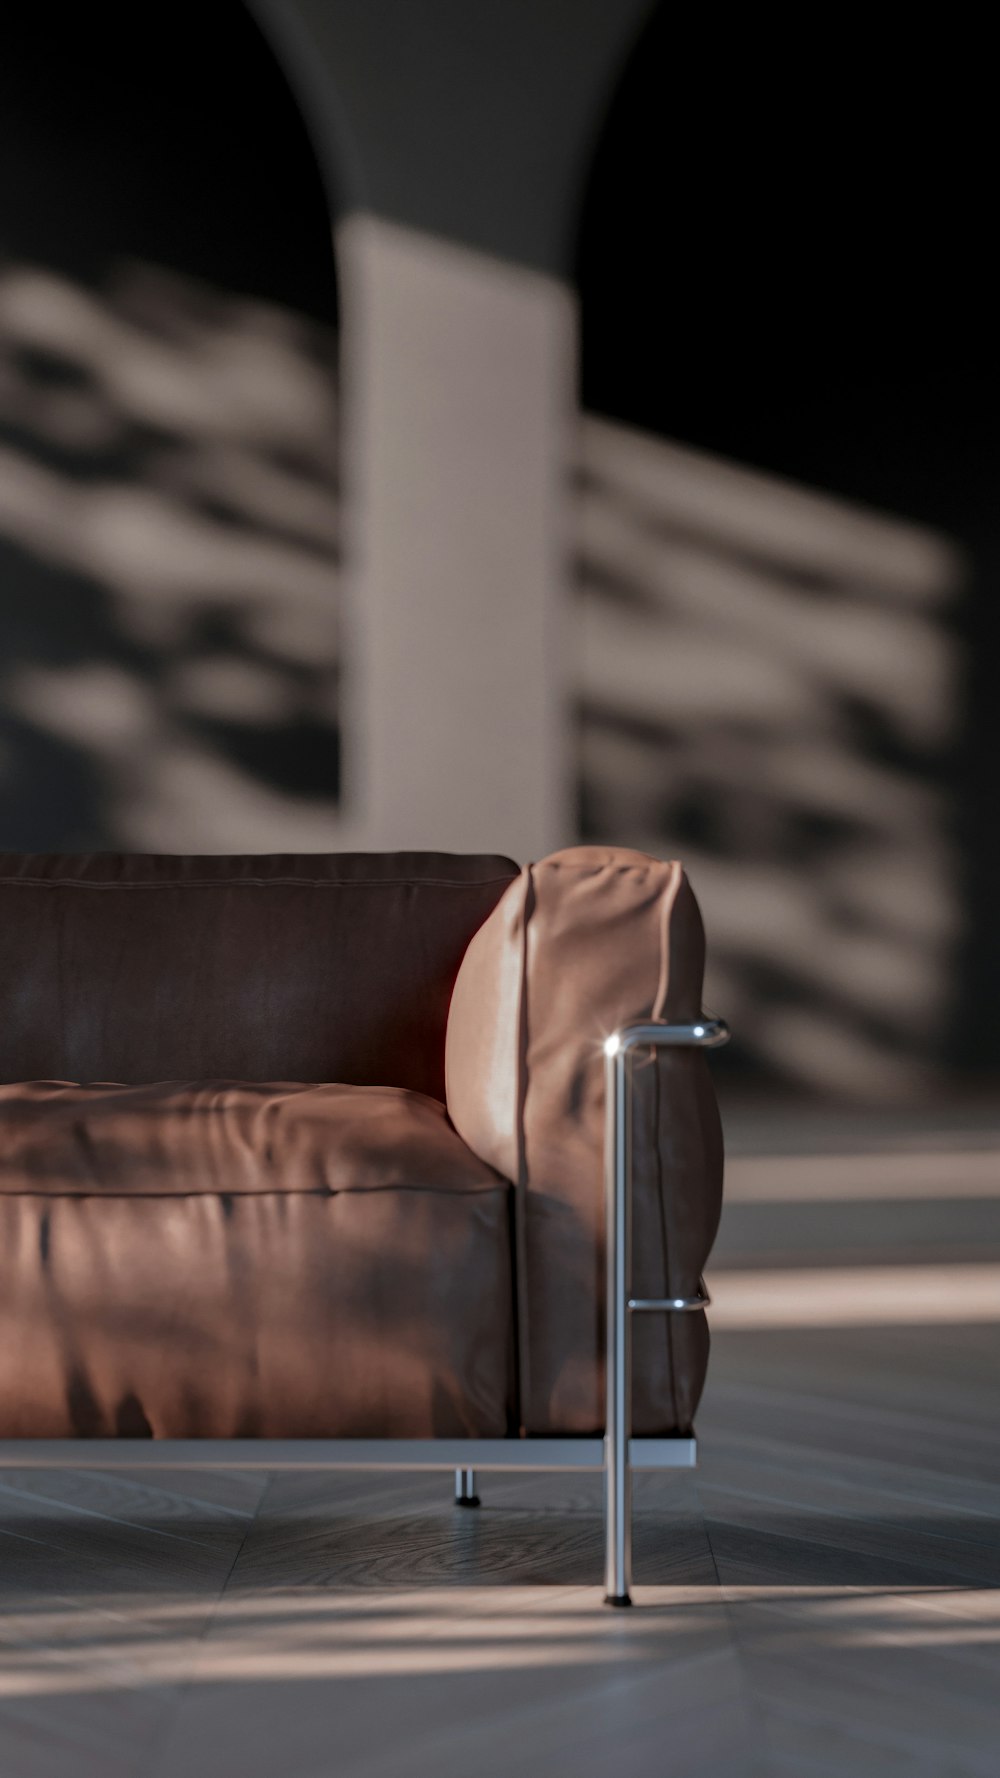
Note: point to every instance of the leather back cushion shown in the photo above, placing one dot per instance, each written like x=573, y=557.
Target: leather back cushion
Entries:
x=313, y=968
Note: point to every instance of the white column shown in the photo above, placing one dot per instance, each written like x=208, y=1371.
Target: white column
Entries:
x=458, y=387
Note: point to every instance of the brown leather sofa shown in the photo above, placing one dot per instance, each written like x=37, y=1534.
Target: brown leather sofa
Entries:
x=310, y=1148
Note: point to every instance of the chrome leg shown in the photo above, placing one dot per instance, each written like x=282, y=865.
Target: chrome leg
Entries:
x=617, y=1472
x=465, y=1488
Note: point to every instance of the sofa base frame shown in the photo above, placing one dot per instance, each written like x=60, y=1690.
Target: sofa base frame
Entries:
x=465, y=1456
x=347, y=1453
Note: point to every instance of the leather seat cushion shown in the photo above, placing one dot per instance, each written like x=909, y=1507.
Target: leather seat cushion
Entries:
x=231, y=1260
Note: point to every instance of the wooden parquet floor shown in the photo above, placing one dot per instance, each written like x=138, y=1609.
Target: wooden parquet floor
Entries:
x=821, y=1600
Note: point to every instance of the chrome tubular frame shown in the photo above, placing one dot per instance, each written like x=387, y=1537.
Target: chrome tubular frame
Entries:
x=621, y=1305
x=617, y=1454
x=458, y=1454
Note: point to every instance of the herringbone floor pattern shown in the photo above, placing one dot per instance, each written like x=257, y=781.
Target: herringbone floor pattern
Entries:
x=822, y=1600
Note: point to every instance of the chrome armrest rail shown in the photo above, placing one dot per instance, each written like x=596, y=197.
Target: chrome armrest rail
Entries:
x=673, y=1305
x=706, y=1033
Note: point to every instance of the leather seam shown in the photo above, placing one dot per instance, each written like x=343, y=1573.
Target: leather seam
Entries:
x=521, y=1186
x=258, y=883
x=611, y=862
x=285, y=1089
x=664, y=1237
x=275, y=1191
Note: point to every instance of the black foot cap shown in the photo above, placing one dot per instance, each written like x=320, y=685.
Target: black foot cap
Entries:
x=467, y=1500
x=618, y=1599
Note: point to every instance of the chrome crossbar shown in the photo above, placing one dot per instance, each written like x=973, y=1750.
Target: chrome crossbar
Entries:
x=672, y=1305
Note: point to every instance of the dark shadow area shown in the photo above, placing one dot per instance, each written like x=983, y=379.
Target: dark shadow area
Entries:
x=164, y=136
x=168, y=516
x=500, y=1547
x=819, y=1550
x=870, y=1232
x=785, y=262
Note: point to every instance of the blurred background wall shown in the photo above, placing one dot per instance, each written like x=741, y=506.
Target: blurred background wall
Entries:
x=168, y=484
x=624, y=471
